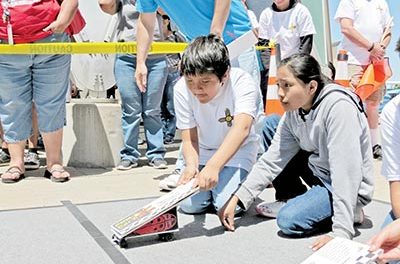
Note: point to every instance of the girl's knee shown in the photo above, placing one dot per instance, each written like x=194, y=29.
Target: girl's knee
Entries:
x=189, y=207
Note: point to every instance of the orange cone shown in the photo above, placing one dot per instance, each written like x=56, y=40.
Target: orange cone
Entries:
x=273, y=104
x=342, y=74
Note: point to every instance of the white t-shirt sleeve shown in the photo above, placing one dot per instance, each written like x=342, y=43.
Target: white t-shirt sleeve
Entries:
x=390, y=130
x=264, y=25
x=182, y=102
x=253, y=19
x=345, y=10
x=305, y=22
x=387, y=16
x=245, y=93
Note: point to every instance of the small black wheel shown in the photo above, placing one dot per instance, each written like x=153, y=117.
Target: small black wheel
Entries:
x=166, y=237
x=123, y=243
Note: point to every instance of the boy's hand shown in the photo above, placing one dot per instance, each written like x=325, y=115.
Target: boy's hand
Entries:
x=227, y=213
x=208, y=178
x=188, y=174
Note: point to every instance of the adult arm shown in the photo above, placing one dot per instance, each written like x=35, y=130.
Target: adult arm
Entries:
x=376, y=50
x=67, y=12
x=144, y=37
x=221, y=13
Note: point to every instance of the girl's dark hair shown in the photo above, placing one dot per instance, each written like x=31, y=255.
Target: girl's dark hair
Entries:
x=206, y=54
x=305, y=68
x=292, y=3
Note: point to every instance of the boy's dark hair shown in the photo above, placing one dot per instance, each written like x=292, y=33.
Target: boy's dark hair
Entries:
x=206, y=55
x=398, y=46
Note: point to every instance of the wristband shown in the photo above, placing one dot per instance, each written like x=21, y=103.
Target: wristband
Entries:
x=372, y=47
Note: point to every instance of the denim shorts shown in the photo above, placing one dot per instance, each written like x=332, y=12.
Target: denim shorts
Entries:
x=42, y=79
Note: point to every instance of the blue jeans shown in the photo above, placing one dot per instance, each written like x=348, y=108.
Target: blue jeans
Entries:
x=268, y=131
x=248, y=61
x=167, y=105
x=228, y=182
x=389, y=219
x=42, y=79
x=136, y=105
x=307, y=214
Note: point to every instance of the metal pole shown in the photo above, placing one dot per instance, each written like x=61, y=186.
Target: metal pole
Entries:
x=327, y=24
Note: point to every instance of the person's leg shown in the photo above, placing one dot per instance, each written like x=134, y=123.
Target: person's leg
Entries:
x=131, y=106
x=50, y=85
x=372, y=109
x=4, y=153
x=31, y=157
x=307, y=214
x=388, y=219
x=198, y=203
x=228, y=182
x=268, y=131
x=151, y=111
x=170, y=122
x=248, y=62
x=15, y=109
x=33, y=139
x=288, y=183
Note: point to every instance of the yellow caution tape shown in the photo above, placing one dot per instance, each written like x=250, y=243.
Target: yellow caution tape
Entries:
x=91, y=48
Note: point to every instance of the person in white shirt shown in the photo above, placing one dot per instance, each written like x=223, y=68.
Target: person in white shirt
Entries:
x=215, y=107
x=289, y=24
x=363, y=23
x=390, y=130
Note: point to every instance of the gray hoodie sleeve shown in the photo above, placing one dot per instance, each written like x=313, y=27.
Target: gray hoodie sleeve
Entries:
x=346, y=163
x=283, y=148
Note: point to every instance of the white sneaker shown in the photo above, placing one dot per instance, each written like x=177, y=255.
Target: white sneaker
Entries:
x=171, y=181
x=270, y=210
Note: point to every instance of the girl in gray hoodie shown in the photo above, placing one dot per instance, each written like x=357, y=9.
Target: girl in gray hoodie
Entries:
x=328, y=123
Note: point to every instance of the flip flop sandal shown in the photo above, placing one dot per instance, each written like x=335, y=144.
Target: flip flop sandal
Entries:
x=49, y=174
x=13, y=170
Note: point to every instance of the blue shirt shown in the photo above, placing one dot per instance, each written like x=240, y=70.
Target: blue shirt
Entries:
x=193, y=17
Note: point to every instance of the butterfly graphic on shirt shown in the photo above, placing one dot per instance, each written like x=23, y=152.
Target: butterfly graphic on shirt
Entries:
x=228, y=118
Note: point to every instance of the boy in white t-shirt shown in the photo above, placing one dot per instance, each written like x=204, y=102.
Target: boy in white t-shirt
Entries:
x=215, y=107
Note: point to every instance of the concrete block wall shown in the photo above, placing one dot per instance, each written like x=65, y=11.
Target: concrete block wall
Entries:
x=93, y=133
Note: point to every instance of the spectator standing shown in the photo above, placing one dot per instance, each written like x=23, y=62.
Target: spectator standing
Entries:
x=138, y=103
x=289, y=24
x=363, y=23
x=42, y=79
x=167, y=104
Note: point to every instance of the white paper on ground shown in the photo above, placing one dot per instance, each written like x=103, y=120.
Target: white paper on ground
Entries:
x=343, y=251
